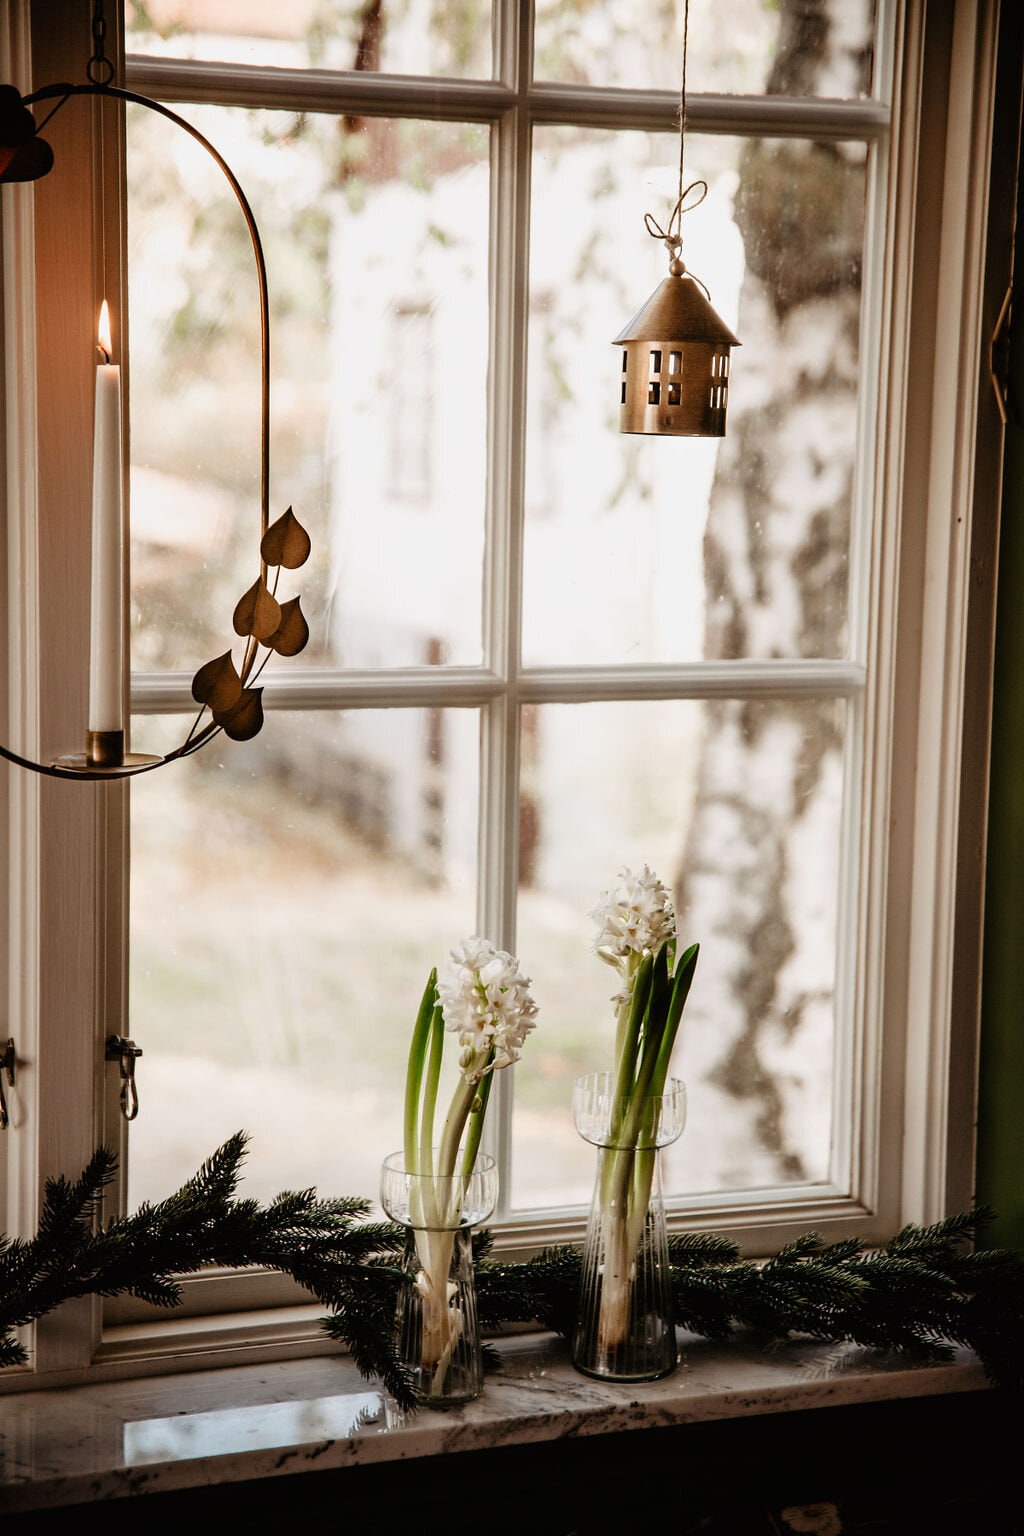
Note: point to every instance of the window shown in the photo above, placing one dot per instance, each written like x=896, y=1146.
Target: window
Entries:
x=595, y=650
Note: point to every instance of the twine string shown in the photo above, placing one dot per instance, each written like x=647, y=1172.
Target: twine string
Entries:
x=687, y=197
x=682, y=112
x=672, y=233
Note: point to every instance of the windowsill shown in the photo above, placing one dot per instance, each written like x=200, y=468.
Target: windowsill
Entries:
x=151, y=1435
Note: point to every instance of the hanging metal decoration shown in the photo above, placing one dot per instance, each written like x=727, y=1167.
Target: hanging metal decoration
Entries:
x=224, y=687
x=676, y=349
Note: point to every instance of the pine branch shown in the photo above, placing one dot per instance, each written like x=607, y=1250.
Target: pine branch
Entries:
x=923, y=1291
x=916, y=1296
x=346, y=1266
x=689, y=1250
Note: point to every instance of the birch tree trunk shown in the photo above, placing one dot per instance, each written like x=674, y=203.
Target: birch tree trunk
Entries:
x=758, y=881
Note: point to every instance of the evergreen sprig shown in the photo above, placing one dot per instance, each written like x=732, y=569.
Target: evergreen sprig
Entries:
x=325, y=1246
x=920, y=1293
x=916, y=1296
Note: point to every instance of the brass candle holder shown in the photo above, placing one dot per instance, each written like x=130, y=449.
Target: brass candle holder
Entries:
x=225, y=692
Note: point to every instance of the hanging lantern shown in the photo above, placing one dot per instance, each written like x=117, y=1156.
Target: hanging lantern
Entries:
x=675, y=363
x=675, y=350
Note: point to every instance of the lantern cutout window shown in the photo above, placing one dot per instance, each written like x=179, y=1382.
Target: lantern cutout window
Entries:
x=675, y=364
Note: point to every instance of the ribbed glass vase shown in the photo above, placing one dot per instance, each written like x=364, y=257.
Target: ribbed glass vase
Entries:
x=624, y=1327
x=438, y=1330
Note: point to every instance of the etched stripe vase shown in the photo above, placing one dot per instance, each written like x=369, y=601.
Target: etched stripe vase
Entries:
x=438, y=1330
x=624, y=1329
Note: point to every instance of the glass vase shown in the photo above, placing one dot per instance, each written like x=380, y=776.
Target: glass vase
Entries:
x=624, y=1328
x=438, y=1328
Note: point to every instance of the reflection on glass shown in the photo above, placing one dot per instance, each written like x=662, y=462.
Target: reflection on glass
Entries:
x=736, y=805
x=622, y=562
x=289, y=898
x=748, y=47
x=403, y=37
x=378, y=380
x=255, y=1427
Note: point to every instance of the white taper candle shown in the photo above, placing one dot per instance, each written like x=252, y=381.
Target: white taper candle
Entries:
x=106, y=662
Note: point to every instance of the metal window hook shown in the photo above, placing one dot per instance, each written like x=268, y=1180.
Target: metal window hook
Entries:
x=7, y=1059
x=125, y=1052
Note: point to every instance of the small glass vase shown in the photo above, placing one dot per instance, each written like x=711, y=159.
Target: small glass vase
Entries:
x=437, y=1322
x=624, y=1327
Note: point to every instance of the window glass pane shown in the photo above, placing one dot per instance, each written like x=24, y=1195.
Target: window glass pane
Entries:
x=781, y=47
x=379, y=364
x=662, y=549
x=403, y=37
x=737, y=806
x=289, y=898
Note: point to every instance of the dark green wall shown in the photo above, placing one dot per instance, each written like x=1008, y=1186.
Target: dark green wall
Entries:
x=1000, y=1180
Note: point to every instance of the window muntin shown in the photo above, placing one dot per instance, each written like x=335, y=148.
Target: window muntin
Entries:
x=909, y=1127
x=604, y=580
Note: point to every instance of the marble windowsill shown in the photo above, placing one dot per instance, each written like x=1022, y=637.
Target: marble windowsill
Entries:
x=112, y=1439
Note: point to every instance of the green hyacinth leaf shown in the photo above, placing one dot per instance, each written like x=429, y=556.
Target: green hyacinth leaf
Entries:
x=243, y=720
x=292, y=633
x=217, y=683
x=257, y=613
x=286, y=542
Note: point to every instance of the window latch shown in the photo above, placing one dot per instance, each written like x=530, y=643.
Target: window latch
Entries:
x=7, y=1059
x=125, y=1052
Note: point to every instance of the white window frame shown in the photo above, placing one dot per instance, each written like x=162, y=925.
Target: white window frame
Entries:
x=920, y=681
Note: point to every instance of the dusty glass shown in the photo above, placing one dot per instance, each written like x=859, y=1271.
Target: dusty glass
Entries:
x=737, y=805
x=648, y=549
x=450, y=38
x=378, y=343
x=750, y=47
x=289, y=897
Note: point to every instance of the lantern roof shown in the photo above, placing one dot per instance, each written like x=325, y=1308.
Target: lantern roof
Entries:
x=677, y=311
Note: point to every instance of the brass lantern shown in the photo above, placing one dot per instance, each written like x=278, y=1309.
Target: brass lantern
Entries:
x=675, y=362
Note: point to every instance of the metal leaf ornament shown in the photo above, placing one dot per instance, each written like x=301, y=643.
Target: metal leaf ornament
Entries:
x=286, y=542
x=261, y=621
x=217, y=684
x=245, y=719
x=291, y=635
x=257, y=612
x=23, y=155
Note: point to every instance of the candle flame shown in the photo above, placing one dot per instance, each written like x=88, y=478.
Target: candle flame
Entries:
x=105, y=343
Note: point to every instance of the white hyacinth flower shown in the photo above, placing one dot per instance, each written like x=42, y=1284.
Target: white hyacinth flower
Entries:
x=486, y=1001
x=634, y=918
